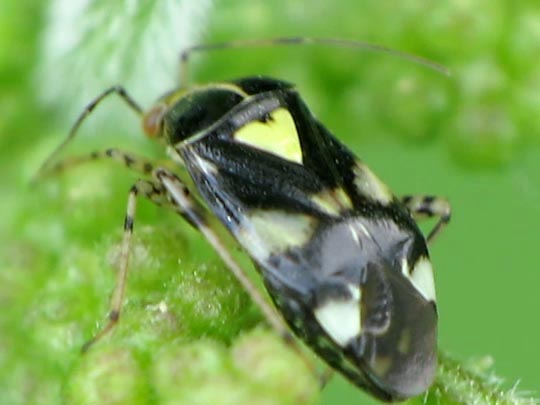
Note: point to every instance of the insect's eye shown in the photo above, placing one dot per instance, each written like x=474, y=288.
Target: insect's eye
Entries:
x=153, y=120
x=197, y=111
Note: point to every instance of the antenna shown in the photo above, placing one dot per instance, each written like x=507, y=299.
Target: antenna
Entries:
x=295, y=41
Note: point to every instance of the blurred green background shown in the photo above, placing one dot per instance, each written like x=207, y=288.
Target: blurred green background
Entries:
x=473, y=137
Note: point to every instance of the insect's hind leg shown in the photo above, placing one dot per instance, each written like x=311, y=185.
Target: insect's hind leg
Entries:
x=180, y=196
x=156, y=193
x=426, y=206
x=193, y=212
x=168, y=190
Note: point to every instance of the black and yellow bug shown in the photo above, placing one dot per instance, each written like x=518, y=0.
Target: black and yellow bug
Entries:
x=341, y=257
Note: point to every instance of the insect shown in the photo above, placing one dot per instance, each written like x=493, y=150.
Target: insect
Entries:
x=342, y=258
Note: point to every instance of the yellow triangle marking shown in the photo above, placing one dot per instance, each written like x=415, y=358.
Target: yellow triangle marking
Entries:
x=278, y=136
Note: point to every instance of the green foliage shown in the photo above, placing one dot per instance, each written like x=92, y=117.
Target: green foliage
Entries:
x=252, y=370
x=472, y=383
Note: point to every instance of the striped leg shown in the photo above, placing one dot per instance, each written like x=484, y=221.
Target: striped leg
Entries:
x=180, y=197
x=128, y=100
x=426, y=207
x=155, y=193
x=168, y=190
x=133, y=162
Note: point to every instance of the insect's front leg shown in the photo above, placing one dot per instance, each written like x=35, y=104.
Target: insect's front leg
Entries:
x=131, y=161
x=425, y=206
x=124, y=96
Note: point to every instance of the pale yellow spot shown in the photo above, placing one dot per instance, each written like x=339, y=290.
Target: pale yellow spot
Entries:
x=341, y=319
x=405, y=267
x=332, y=202
x=326, y=203
x=271, y=231
x=404, y=343
x=278, y=136
x=281, y=230
x=422, y=278
x=370, y=186
x=381, y=365
x=342, y=197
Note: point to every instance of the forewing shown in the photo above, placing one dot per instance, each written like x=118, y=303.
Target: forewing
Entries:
x=271, y=195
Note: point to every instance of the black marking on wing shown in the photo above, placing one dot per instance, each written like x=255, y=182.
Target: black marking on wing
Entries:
x=377, y=300
x=409, y=344
x=257, y=179
x=248, y=178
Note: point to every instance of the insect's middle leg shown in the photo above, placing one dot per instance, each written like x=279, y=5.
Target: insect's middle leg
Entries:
x=429, y=206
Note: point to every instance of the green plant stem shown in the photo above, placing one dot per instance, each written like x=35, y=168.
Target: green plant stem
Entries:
x=466, y=383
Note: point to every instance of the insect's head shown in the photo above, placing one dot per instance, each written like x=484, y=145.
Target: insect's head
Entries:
x=184, y=113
